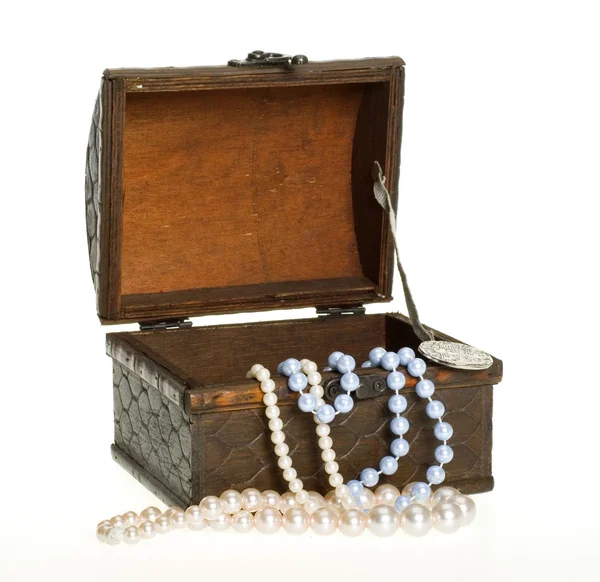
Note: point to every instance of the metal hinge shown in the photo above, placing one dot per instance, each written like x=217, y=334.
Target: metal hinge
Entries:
x=165, y=324
x=337, y=311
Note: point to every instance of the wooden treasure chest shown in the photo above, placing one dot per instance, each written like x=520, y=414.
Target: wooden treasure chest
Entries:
x=242, y=188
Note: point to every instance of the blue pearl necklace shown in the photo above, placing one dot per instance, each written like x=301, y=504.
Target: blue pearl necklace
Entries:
x=416, y=367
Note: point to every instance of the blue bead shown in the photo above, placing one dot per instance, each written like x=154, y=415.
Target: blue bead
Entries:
x=402, y=503
x=399, y=425
x=425, y=388
x=307, y=402
x=343, y=403
x=366, y=364
x=350, y=381
x=325, y=413
x=390, y=361
x=297, y=382
x=397, y=404
x=388, y=465
x=280, y=367
x=375, y=355
x=345, y=364
x=435, y=474
x=421, y=491
x=395, y=380
x=435, y=409
x=416, y=367
x=369, y=477
x=406, y=355
x=399, y=447
x=333, y=358
x=443, y=454
x=290, y=366
x=356, y=487
x=443, y=431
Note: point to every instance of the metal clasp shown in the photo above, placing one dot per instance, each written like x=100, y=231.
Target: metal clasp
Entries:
x=370, y=386
x=263, y=59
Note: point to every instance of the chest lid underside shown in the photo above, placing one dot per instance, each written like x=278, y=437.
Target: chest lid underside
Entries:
x=228, y=189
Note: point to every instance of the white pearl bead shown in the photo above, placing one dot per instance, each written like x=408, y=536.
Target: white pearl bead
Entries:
x=443, y=494
x=178, y=520
x=130, y=518
x=311, y=505
x=317, y=391
x=255, y=369
x=386, y=494
x=302, y=497
x=290, y=474
x=211, y=507
x=296, y=521
x=284, y=462
x=328, y=455
x=270, y=399
x=323, y=430
x=303, y=361
x=447, y=517
x=242, y=521
x=349, y=502
x=263, y=374
x=416, y=520
x=221, y=523
x=282, y=449
x=231, y=501
x=324, y=521
x=114, y=535
x=335, y=480
x=267, y=520
x=118, y=521
x=331, y=467
x=342, y=491
x=320, y=402
x=325, y=442
x=277, y=437
x=383, y=521
x=103, y=530
x=252, y=499
x=309, y=368
x=267, y=386
x=147, y=529
x=314, y=379
x=317, y=497
x=366, y=500
x=295, y=485
x=275, y=424
x=287, y=501
x=467, y=506
x=196, y=521
x=163, y=524
x=131, y=535
x=271, y=498
x=150, y=513
x=272, y=412
x=352, y=522
x=334, y=502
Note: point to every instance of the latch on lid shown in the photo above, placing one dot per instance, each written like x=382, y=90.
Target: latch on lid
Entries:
x=263, y=59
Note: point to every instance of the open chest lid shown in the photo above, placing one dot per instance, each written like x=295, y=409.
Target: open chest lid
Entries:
x=242, y=188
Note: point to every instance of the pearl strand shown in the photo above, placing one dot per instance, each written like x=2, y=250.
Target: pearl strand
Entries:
x=446, y=510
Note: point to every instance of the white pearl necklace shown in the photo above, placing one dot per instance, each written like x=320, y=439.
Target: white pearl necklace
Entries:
x=298, y=510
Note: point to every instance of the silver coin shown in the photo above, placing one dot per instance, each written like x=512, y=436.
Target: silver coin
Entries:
x=456, y=355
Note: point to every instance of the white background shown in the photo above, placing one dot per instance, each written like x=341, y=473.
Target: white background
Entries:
x=499, y=187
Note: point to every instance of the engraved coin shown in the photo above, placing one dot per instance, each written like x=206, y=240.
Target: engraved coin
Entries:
x=456, y=355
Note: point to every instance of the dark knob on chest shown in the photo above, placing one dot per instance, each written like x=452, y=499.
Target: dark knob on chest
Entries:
x=370, y=386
